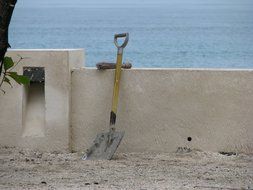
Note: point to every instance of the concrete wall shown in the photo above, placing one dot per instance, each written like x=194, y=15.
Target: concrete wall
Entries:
x=159, y=109
x=39, y=117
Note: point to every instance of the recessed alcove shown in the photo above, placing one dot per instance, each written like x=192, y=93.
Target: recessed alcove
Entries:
x=34, y=103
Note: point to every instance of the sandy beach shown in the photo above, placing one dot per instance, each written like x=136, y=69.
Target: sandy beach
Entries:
x=26, y=169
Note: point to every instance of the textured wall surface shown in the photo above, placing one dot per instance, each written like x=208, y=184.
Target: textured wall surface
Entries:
x=52, y=134
x=160, y=108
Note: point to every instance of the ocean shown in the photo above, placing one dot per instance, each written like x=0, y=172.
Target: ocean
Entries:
x=174, y=34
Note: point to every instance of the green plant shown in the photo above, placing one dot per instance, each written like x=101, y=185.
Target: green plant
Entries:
x=8, y=74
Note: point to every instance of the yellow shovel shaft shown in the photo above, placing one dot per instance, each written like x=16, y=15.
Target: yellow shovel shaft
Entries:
x=115, y=97
x=117, y=76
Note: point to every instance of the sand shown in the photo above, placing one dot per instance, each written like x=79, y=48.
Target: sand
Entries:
x=27, y=169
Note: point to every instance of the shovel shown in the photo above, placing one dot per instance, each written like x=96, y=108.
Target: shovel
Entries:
x=106, y=144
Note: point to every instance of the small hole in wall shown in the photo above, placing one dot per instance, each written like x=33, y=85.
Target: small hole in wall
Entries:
x=189, y=138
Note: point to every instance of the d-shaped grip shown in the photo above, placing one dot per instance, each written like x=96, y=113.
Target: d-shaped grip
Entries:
x=124, y=35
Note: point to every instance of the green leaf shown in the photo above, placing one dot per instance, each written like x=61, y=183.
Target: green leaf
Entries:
x=8, y=63
x=7, y=81
x=24, y=80
x=20, y=79
x=14, y=75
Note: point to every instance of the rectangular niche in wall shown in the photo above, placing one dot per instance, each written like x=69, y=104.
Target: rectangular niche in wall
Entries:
x=34, y=103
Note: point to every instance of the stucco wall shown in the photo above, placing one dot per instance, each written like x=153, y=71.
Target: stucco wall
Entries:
x=52, y=134
x=160, y=108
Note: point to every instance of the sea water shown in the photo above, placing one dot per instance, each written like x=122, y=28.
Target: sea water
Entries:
x=194, y=33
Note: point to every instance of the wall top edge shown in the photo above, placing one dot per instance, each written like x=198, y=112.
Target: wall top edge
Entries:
x=170, y=69
x=43, y=50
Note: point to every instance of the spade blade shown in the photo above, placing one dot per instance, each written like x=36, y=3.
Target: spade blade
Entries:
x=104, y=146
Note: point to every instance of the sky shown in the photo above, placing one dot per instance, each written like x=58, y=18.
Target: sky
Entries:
x=76, y=3
x=82, y=2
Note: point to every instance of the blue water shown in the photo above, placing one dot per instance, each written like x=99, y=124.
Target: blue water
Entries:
x=208, y=34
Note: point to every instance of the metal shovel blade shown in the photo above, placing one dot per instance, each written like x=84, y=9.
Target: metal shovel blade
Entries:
x=104, y=146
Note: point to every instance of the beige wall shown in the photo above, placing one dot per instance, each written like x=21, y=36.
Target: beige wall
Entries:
x=158, y=108
x=16, y=116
